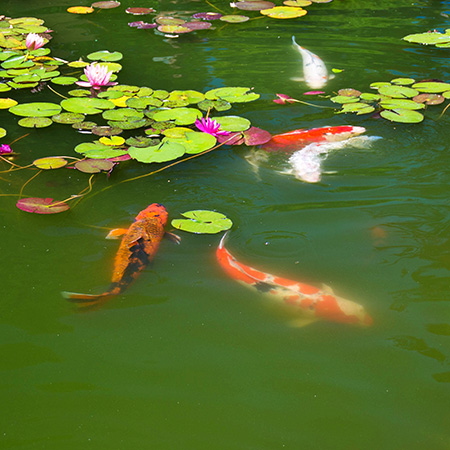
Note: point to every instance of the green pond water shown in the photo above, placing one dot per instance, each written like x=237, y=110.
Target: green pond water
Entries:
x=187, y=358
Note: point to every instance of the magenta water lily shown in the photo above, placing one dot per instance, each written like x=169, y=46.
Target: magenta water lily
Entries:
x=210, y=126
x=5, y=149
x=34, y=41
x=98, y=76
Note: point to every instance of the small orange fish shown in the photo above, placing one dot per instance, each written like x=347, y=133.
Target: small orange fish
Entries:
x=312, y=303
x=139, y=245
x=293, y=140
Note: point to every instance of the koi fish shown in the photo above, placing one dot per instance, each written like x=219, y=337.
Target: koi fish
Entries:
x=292, y=140
x=306, y=163
x=315, y=73
x=309, y=301
x=139, y=245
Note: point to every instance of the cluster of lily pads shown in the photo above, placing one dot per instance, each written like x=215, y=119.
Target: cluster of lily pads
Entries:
x=398, y=100
x=174, y=25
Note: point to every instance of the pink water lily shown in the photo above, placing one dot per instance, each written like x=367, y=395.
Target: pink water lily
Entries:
x=5, y=149
x=98, y=76
x=34, y=41
x=211, y=127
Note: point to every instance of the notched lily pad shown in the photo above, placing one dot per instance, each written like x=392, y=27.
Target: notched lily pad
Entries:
x=233, y=123
x=203, y=222
x=163, y=152
x=37, y=109
x=105, y=55
x=50, y=162
x=35, y=122
x=402, y=115
x=94, y=165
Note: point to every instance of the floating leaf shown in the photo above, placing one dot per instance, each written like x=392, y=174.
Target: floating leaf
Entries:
x=284, y=12
x=84, y=126
x=198, y=25
x=174, y=29
x=300, y=3
x=428, y=38
x=232, y=94
x=395, y=103
x=207, y=15
x=166, y=151
x=234, y=18
x=106, y=131
x=233, y=123
x=64, y=81
x=50, y=162
x=41, y=205
x=114, y=141
x=194, y=142
x=218, y=105
x=344, y=99
x=4, y=87
x=141, y=141
x=37, y=109
x=108, y=4
x=176, y=133
x=139, y=11
x=367, y=96
x=35, y=122
x=181, y=116
x=2, y=132
x=254, y=5
x=358, y=108
x=80, y=10
x=402, y=115
x=105, y=55
x=403, y=81
x=429, y=99
x=256, y=136
x=86, y=105
x=203, y=222
x=349, y=92
x=434, y=87
x=6, y=103
x=94, y=165
x=124, y=114
x=397, y=91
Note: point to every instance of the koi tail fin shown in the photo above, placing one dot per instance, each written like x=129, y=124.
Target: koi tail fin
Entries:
x=222, y=241
x=86, y=298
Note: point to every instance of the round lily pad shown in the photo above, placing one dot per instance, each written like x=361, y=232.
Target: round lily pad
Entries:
x=109, y=4
x=181, y=116
x=401, y=103
x=234, y=18
x=232, y=94
x=41, y=205
x=403, y=81
x=194, y=142
x=86, y=105
x=344, y=99
x=105, y=55
x=94, y=165
x=428, y=38
x=434, y=87
x=174, y=29
x=256, y=136
x=254, y=5
x=429, y=99
x=123, y=114
x=80, y=10
x=6, y=103
x=402, y=115
x=139, y=11
x=397, y=91
x=368, y=96
x=233, y=123
x=358, y=108
x=37, y=109
x=349, y=92
x=197, y=25
x=207, y=16
x=106, y=130
x=113, y=141
x=2, y=132
x=218, y=105
x=50, y=162
x=141, y=141
x=64, y=81
x=284, y=12
x=176, y=133
x=68, y=118
x=35, y=122
x=203, y=222
x=299, y=3
x=165, y=151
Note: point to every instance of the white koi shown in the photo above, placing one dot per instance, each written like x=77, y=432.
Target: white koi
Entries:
x=315, y=73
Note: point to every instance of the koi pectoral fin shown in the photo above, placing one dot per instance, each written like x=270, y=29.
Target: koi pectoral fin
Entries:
x=302, y=322
x=116, y=233
x=83, y=298
x=297, y=79
x=173, y=237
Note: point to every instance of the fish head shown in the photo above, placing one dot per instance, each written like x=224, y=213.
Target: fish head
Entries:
x=156, y=211
x=338, y=309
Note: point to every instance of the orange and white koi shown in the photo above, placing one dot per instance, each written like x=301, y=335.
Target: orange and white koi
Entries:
x=311, y=302
x=139, y=245
x=295, y=139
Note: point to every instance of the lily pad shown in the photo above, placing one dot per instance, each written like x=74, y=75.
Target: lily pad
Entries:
x=256, y=136
x=113, y=141
x=194, y=142
x=349, y=92
x=50, y=162
x=433, y=87
x=402, y=115
x=37, y=109
x=429, y=99
x=41, y=205
x=403, y=81
x=68, y=118
x=174, y=29
x=3, y=132
x=428, y=38
x=207, y=16
x=254, y=5
x=64, y=81
x=86, y=105
x=203, y=222
x=300, y=3
x=284, y=12
x=163, y=152
x=123, y=114
x=233, y=123
x=139, y=11
x=234, y=18
x=344, y=99
x=6, y=103
x=142, y=141
x=80, y=10
x=198, y=25
x=106, y=130
x=35, y=122
x=94, y=165
x=232, y=94
x=397, y=91
x=105, y=55
x=218, y=105
x=358, y=108
x=401, y=103
x=181, y=116
x=108, y=4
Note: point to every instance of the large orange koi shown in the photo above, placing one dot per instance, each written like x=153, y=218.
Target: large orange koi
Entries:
x=293, y=140
x=311, y=302
x=139, y=245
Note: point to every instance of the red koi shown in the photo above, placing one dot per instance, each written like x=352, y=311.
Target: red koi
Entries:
x=139, y=245
x=293, y=140
x=312, y=303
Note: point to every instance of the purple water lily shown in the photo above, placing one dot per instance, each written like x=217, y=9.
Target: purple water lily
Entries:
x=5, y=149
x=211, y=127
x=98, y=77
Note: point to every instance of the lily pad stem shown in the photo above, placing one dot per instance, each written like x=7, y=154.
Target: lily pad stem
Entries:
x=57, y=93
x=23, y=187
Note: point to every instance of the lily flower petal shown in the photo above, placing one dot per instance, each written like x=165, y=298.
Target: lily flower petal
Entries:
x=98, y=76
x=211, y=127
x=34, y=41
x=5, y=149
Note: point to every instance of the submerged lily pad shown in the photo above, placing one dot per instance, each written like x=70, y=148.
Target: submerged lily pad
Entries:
x=203, y=222
x=41, y=205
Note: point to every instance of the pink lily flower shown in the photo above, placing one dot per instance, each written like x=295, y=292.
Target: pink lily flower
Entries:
x=98, y=76
x=5, y=149
x=34, y=41
x=211, y=127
